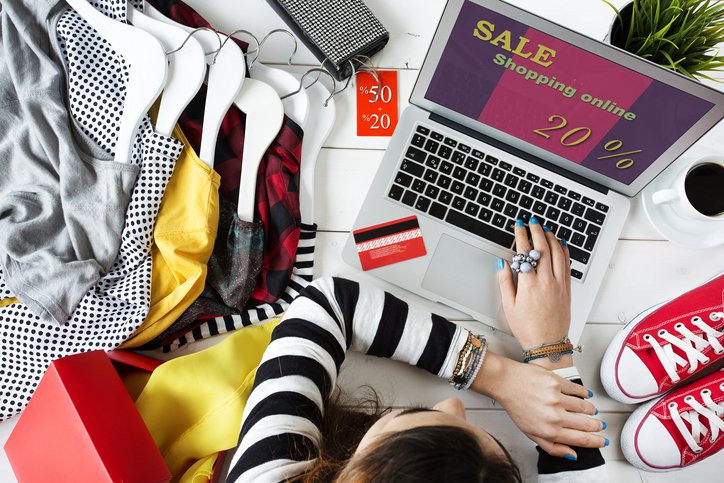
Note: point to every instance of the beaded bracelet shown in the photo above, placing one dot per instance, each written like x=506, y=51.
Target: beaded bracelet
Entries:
x=477, y=367
x=470, y=359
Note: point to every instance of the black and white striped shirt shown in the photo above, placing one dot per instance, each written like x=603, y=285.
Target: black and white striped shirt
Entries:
x=280, y=433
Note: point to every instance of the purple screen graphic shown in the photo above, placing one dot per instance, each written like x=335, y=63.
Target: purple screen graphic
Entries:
x=554, y=95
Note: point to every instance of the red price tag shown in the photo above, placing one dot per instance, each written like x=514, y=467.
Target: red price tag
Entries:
x=376, y=106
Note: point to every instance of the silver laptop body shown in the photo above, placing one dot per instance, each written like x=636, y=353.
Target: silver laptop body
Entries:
x=449, y=168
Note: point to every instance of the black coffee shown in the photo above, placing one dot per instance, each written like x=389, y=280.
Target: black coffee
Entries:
x=704, y=187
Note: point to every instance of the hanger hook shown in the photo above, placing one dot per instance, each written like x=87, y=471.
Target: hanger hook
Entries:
x=191, y=34
x=369, y=67
x=284, y=31
x=228, y=36
x=319, y=74
x=302, y=86
x=349, y=79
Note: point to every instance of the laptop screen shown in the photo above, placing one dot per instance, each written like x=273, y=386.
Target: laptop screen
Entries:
x=559, y=97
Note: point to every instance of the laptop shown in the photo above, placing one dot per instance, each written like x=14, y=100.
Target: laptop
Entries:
x=514, y=116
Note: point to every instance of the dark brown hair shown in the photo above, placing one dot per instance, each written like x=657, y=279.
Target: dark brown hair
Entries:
x=422, y=454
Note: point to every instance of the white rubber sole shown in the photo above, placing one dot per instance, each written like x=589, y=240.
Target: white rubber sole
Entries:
x=608, y=363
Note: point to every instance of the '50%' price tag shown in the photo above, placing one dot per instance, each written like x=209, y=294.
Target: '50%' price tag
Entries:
x=377, y=103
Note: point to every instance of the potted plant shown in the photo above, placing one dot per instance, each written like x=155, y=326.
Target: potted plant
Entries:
x=682, y=35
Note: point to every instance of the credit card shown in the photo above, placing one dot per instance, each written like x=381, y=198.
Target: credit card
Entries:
x=388, y=243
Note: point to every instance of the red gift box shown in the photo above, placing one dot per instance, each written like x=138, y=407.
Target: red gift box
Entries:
x=81, y=425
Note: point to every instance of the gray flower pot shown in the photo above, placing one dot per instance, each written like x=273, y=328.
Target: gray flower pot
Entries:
x=616, y=24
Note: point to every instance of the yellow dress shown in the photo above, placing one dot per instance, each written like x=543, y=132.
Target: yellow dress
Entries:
x=193, y=405
x=183, y=240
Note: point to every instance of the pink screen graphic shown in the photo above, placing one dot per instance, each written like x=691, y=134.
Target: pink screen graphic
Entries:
x=558, y=96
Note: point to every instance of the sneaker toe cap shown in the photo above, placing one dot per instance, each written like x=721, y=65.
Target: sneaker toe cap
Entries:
x=634, y=378
x=654, y=446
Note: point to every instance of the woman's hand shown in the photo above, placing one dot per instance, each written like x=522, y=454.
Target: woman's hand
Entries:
x=539, y=309
x=547, y=408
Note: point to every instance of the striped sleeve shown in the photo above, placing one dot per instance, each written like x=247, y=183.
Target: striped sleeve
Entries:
x=280, y=434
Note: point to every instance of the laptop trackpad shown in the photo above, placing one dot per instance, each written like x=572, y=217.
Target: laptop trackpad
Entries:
x=464, y=274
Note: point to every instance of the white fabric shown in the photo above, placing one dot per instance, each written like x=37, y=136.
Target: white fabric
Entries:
x=569, y=373
x=591, y=475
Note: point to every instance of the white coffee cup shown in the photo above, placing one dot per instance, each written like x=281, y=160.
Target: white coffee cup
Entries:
x=675, y=195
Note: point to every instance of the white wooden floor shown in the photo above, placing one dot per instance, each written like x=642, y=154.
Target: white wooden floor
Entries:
x=345, y=170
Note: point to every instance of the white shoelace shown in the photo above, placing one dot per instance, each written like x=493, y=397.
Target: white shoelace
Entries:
x=689, y=343
x=712, y=411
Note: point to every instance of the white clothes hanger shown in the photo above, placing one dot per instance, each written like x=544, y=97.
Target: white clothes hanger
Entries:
x=296, y=107
x=146, y=73
x=186, y=67
x=319, y=125
x=227, y=71
x=264, y=116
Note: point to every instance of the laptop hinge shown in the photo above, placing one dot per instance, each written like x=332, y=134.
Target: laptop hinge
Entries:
x=521, y=154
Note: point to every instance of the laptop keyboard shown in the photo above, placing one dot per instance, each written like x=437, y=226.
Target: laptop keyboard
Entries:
x=485, y=195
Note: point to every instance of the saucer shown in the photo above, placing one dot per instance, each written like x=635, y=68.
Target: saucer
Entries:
x=687, y=233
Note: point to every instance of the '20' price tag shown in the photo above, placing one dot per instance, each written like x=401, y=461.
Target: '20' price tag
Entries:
x=377, y=105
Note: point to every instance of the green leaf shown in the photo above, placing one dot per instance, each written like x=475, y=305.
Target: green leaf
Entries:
x=682, y=35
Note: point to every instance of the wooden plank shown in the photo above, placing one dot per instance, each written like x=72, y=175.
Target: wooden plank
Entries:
x=644, y=273
x=708, y=470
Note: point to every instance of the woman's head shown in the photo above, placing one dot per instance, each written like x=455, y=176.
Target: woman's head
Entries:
x=422, y=445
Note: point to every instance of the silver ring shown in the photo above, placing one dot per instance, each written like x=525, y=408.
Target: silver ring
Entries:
x=525, y=261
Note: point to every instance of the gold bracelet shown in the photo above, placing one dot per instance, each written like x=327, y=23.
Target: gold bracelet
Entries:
x=466, y=356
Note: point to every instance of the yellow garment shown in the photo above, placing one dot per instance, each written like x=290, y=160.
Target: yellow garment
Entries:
x=6, y=302
x=202, y=471
x=193, y=405
x=184, y=238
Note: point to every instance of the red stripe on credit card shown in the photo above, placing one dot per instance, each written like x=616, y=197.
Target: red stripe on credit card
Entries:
x=388, y=243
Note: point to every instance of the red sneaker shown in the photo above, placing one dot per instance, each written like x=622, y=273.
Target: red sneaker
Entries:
x=681, y=428
x=666, y=345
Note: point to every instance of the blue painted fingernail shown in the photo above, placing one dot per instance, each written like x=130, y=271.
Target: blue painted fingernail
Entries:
x=569, y=457
x=501, y=264
x=590, y=394
x=546, y=229
x=564, y=242
x=606, y=443
x=533, y=220
x=595, y=412
x=519, y=222
x=604, y=426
